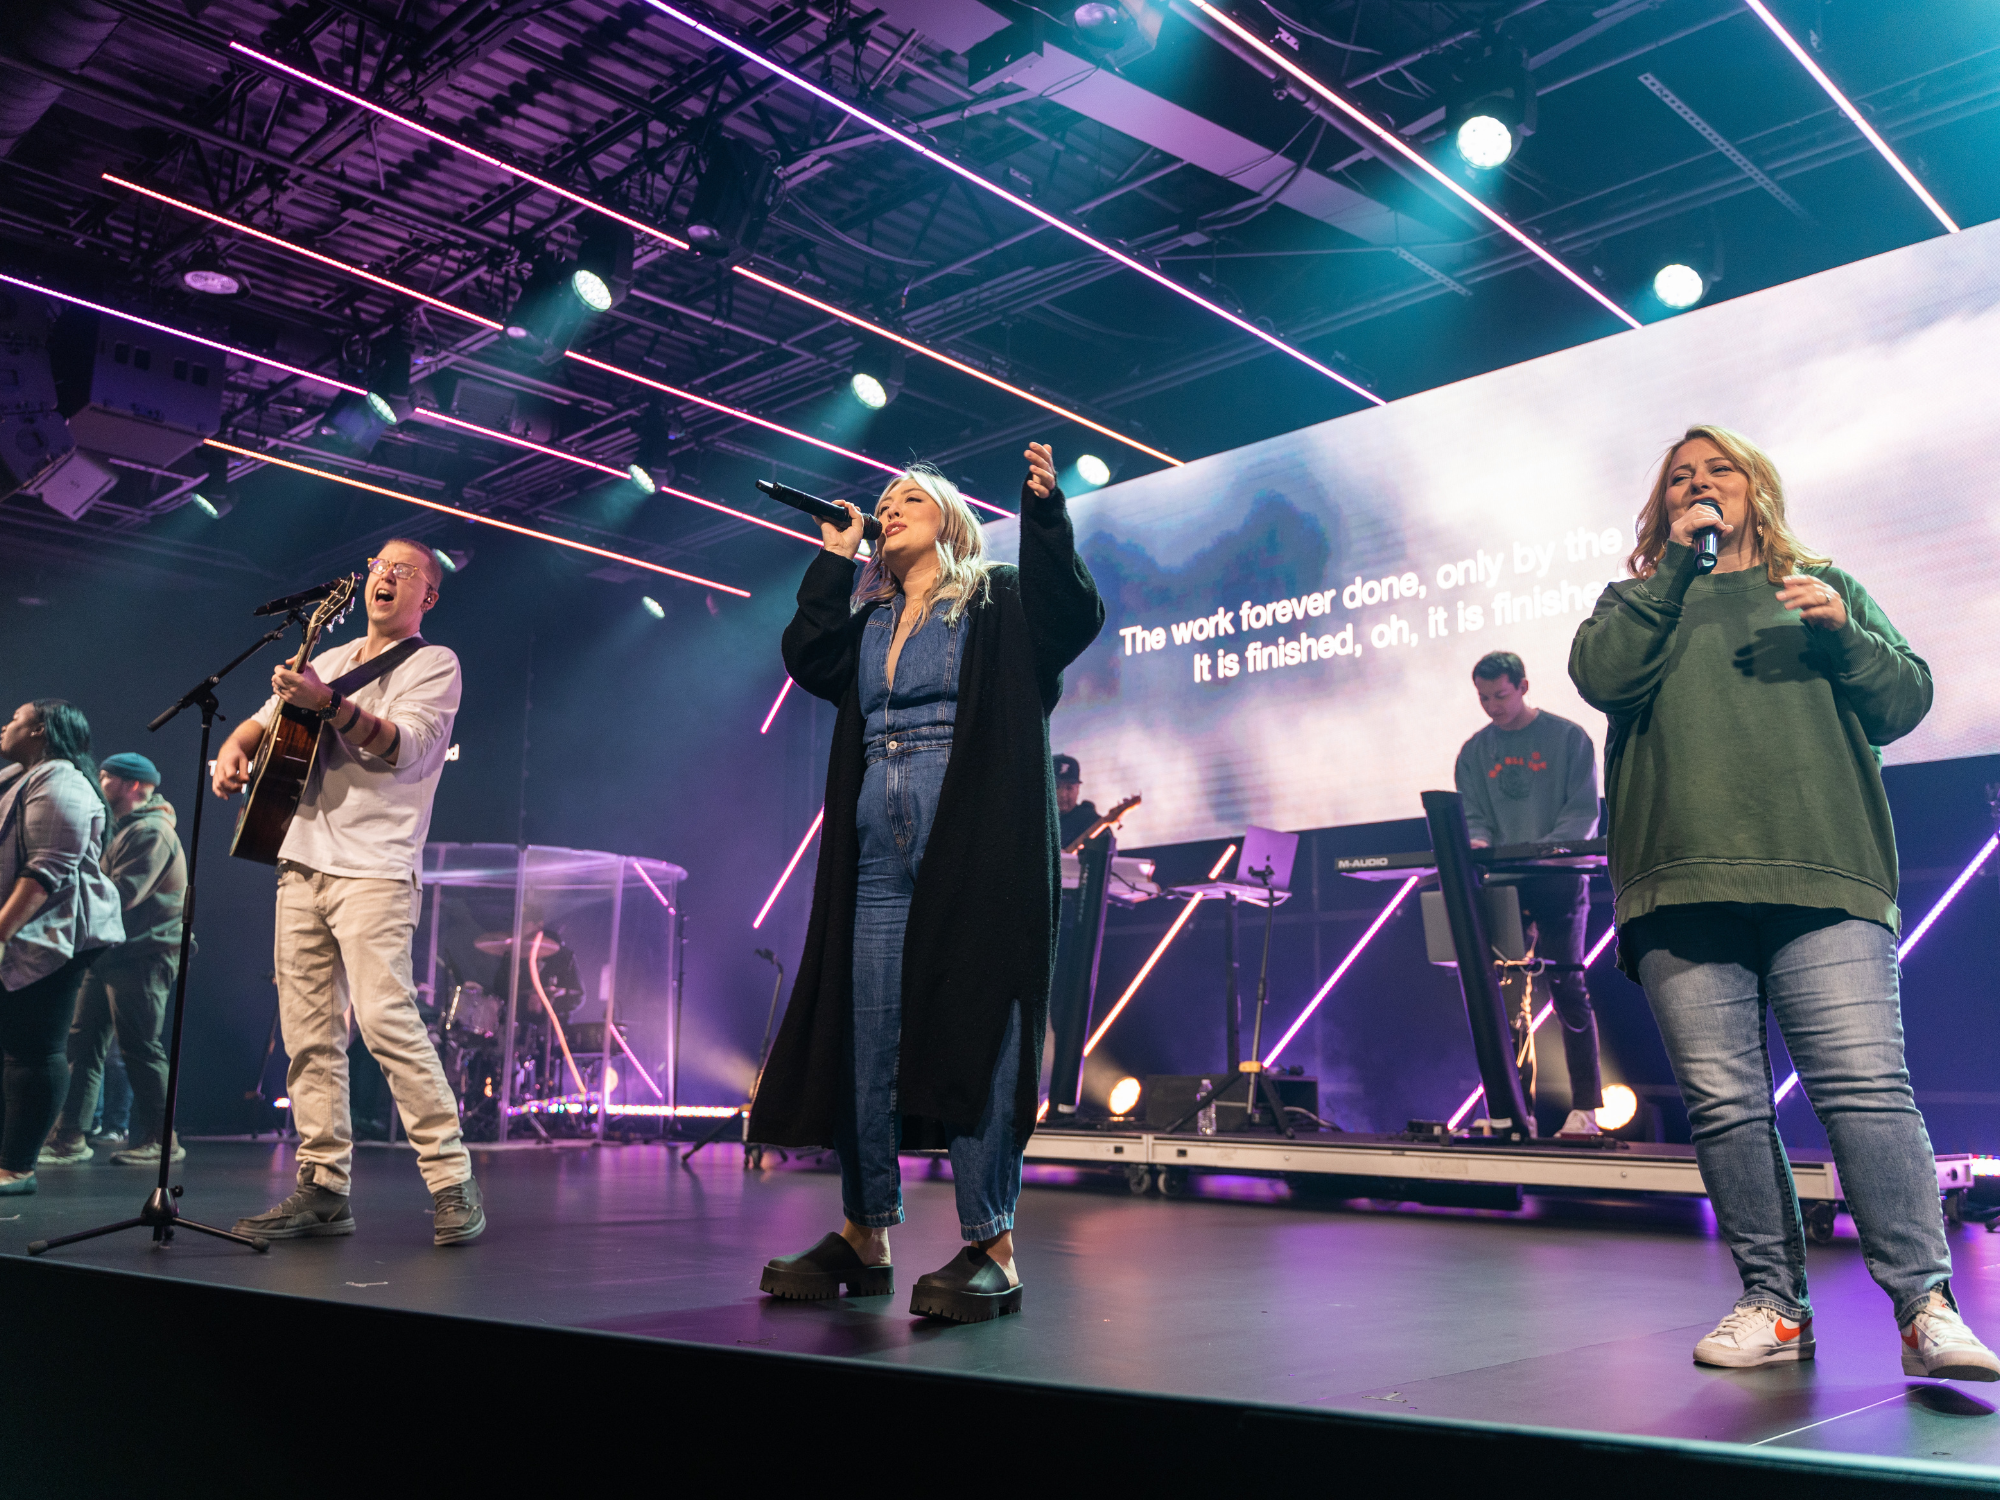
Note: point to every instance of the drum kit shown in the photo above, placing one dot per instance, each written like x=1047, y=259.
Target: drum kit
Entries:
x=470, y=1033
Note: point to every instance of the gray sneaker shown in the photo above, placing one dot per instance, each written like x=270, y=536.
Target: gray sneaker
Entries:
x=57, y=1152
x=458, y=1213
x=148, y=1154
x=310, y=1212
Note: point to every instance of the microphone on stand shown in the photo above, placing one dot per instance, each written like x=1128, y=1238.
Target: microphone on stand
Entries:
x=820, y=510
x=305, y=596
x=1705, y=561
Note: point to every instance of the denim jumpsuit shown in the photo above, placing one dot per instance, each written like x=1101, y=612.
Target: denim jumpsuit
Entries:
x=908, y=742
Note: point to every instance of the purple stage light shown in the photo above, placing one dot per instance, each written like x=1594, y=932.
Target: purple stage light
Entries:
x=1799, y=54
x=776, y=704
x=1950, y=895
x=1345, y=964
x=797, y=855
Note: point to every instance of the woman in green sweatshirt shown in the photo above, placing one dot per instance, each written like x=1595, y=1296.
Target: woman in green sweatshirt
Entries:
x=1754, y=862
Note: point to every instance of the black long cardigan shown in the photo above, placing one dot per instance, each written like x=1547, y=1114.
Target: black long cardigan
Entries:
x=982, y=924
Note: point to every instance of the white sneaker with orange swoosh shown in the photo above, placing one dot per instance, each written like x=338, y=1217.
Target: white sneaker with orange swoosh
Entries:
x=1752, y=1336
x=1938, y=1344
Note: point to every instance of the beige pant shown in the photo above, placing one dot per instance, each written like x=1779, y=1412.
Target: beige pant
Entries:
x=341, y=942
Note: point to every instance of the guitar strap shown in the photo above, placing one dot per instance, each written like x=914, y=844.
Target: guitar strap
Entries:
x=379, y=667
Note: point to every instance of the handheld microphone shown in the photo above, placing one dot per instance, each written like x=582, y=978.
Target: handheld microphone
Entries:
x=305, y=596
x=818, y=509
x=1705, y=561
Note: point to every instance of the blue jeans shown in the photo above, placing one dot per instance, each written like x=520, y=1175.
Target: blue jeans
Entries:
x=898, y=799
x=1831, y=981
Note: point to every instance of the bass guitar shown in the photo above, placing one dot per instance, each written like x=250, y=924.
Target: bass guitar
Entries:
x=1109, y=820
x=288, y=753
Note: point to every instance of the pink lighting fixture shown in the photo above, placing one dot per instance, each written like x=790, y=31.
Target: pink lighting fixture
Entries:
x=1147, y=967
x=1762, y=12
x=1054, y=221
x=431, y=133
x=791, y=865
x=1346, y=963
x=1409, y=153
x=477, y=519
x=776, y=704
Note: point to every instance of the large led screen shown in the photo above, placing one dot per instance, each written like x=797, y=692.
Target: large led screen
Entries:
x=1292, y=625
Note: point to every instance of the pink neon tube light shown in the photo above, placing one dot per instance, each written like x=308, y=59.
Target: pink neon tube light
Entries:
x=1147, y=967
x=399, y=289
x=776, y=704
x=797, y=855
x=1546, y=1011
x=476, y=518
x=1054, y=221
x=1416, y=158
x=651, y=232
x=1804, y=59
x=1345, y=964
x=1916, y=933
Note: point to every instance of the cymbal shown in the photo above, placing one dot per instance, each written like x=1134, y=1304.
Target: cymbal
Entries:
x=503, y=942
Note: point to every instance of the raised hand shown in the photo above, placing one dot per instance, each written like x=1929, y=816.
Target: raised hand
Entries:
x=1041, y=469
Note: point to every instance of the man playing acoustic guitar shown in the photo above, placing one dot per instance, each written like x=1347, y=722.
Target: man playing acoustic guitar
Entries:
x=348, y=900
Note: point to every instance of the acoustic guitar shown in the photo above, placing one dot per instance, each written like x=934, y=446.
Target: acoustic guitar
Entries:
x=288, y=753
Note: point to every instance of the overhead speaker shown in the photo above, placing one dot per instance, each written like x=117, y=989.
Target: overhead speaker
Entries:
x=732, y=199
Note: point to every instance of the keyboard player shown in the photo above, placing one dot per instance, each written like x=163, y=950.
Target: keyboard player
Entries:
x=1530, y=776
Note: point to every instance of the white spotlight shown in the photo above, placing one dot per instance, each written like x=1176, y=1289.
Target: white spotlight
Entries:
x=1679, y=286
x=1093, y=469
x=1620, y=1105
x=645, y=481
x=1124, y=1096
x=868, y=391
x=589, y=289
x=653, y=607
x=1484, y=142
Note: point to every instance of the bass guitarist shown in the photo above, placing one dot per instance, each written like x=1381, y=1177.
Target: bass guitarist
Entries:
x=348, y=898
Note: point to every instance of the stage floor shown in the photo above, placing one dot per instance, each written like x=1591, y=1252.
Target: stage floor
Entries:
x=1572, y=1315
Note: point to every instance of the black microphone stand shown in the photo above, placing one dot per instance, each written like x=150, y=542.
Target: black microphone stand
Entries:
x=160, y=1213
x=1261, y=1088
x=763, y=1056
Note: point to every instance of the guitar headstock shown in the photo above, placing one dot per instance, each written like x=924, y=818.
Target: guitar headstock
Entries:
x=332, y=609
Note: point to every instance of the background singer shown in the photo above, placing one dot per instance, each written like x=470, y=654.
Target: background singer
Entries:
x=922, y=994
x=1754, y=861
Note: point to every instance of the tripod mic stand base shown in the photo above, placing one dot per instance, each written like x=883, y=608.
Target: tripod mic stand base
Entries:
x=159, y=1214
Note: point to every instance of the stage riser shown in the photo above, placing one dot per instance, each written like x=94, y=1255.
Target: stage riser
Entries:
x=237, y=1386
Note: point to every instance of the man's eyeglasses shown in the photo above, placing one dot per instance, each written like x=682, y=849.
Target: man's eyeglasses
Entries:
x=401, y=570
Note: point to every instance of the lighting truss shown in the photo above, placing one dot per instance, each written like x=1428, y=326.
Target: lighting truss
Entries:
x=477, y=519
x=431, y=133
x=1153, y=958
x=1054, y=221
x=791, y=865
x=1417, y=159
x=1547, y=1010
x=1916, y=933
x=399, y=289
x=1346, y=963
x=777, y=702
x=1804, y=59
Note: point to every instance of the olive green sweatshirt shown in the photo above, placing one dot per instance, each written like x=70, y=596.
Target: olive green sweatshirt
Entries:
x=1743, y=760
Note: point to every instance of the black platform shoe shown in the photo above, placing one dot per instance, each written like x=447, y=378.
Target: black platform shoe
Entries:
x=821, y=1272
x=972, y=1289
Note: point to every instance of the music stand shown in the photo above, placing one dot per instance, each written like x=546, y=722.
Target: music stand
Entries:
x=160, y=1213
x=1267, y=858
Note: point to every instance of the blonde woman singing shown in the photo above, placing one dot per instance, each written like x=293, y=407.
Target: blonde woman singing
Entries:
x=922, y=995
x=1754, y=864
